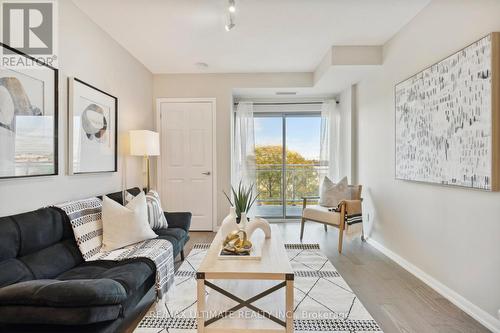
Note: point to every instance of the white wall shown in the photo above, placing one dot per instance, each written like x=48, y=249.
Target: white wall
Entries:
x=450, y=234
x=345, y=106
x=221, y=87
x=87, y=52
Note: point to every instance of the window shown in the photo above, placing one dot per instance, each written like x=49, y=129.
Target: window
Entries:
x=287, y=148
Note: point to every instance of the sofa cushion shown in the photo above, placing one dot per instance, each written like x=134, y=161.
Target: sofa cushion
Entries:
x=176, y=233
x=43, y=265
x=35, y=235
x=130, y=273
x=29, y=242
x=13, y=271
x=15, y=314
x=56, y=293
x=9, y=238
x=92, y=292
x=173, y=241
x=176, y=236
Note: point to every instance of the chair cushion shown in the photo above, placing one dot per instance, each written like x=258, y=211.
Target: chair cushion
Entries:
x=57, y=293
x=322, y=214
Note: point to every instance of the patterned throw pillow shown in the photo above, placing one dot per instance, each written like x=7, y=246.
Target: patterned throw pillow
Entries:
x=332, y=194
x=157, y=219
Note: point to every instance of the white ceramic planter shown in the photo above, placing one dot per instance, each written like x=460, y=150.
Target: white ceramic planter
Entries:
x=258, y=223
x=229, y=223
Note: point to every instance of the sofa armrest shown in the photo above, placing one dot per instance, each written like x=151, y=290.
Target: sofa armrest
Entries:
x=179, y=220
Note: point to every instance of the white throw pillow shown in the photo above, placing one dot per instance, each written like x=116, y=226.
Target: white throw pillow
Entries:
x=332, y=194
x=125, y=225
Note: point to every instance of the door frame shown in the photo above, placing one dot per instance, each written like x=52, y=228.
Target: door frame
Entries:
x=211, y=100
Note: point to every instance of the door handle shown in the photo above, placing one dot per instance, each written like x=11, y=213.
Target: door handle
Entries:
x=206, y=173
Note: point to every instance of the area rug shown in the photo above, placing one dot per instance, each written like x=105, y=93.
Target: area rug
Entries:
x=323, y=300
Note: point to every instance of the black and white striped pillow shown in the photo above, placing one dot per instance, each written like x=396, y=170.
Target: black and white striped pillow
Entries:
x=157, y=219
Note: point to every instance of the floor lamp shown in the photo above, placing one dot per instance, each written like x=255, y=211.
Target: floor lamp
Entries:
x=145, y=143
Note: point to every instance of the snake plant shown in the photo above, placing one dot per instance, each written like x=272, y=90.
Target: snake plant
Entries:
x=243, y=198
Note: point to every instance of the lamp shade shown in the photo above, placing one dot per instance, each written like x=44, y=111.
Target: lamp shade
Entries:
x=144, y=143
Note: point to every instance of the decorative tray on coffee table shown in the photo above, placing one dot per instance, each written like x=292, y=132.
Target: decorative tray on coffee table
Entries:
x=255, y=251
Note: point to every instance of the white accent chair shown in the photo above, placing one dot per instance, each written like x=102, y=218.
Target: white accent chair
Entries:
x=326, y=216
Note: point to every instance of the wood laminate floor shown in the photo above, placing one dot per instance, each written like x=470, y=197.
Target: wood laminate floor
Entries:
x=396, y=299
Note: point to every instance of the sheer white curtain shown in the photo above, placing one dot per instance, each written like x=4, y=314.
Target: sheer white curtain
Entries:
x=244, y=145
x=330, y=141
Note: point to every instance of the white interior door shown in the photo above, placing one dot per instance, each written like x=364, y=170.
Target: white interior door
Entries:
x=186, y=175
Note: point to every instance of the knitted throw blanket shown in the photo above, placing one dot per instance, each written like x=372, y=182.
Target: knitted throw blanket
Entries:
x=85, y=217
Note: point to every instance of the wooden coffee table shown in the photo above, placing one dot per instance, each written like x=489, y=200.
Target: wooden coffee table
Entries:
x=235, y=284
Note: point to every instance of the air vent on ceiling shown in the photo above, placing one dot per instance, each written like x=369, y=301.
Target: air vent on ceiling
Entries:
x=201, y=65
x=286, y=93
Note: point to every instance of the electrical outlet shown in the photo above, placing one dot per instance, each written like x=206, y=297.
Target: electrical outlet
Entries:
x=368, y=217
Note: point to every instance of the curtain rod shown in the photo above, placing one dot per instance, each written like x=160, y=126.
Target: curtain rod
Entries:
x=281, y=103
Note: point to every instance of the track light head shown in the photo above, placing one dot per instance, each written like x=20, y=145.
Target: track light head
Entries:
x=232, y=6
x=230, y=23
x=229, y=26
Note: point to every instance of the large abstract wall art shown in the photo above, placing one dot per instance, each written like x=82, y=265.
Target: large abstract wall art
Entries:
x=447, y=120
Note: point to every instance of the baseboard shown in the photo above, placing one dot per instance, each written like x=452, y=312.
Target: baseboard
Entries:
x=468, y=307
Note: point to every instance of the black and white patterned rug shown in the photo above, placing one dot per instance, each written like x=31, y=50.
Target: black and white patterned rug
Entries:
x=323, y=300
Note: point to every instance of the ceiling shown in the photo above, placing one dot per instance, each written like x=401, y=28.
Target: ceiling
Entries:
x=331, y=84
x=171, y=36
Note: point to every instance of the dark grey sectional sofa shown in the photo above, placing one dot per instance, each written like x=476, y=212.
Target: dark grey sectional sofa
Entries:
x=46, y=286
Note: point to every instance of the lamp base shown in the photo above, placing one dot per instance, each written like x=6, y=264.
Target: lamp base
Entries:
x=148, y=173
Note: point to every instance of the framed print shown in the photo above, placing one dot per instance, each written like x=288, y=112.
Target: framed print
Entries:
x=92, y=129
x=28, y=118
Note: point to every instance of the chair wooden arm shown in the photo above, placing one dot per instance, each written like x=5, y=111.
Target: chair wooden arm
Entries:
x=352, y=206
